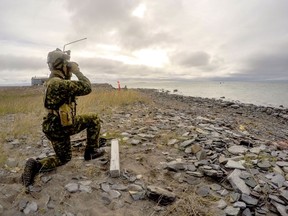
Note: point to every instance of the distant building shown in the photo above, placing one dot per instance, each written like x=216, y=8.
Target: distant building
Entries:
x=38, y=80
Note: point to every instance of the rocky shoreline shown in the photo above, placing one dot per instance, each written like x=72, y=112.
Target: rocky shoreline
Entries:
x=232, y=155
x=256, y=168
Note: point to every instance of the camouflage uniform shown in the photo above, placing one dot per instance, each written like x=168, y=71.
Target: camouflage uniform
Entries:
x=61, y=121
x=59, y=91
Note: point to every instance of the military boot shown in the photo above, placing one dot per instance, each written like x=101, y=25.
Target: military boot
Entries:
x=102, y=142
x=32, y=167
x=91, y=153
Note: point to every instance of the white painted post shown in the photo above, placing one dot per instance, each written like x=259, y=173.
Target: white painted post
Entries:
x=114, y=161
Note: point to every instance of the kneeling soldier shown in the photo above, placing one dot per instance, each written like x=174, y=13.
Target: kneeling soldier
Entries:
x=61, y=121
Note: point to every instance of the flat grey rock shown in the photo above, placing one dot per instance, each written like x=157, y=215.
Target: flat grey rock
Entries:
x=239, y=204
x=265, y=165
x=237, y=149
x=30, y=208
x=278, y=180
x=137, y=195
x=187, y=143
x=282, y=163
x=203, y=191
x=172, y=141
x=237, y=183
x=114, y=194
x=221, y=204
x=250, y=201
x=85, y=188
x=160, y=195
x=234, y=165
x=230, y=210
x=72, y=187
x=246, y=212
x=284, y=194
x=280, y=208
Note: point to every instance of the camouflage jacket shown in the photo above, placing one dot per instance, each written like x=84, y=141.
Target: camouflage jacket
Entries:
x=59, y=91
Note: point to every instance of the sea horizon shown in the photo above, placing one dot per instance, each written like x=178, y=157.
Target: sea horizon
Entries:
x=264, y=93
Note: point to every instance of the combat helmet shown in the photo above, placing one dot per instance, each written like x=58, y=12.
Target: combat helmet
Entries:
x=56, y=57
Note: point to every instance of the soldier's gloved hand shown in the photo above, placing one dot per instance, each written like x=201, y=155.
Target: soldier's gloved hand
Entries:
x=73, y=67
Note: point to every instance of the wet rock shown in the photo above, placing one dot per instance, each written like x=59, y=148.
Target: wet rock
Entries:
x=160, y=195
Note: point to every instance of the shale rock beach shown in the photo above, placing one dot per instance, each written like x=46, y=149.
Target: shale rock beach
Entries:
x=178, y=156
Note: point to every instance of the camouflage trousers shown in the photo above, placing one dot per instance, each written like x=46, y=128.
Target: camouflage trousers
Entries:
x=60, y=137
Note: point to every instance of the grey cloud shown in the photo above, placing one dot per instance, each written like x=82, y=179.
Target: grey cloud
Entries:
x=137, y=35
x=97, y=68
x=265, y=66
x=191, y=59
x=10, y=62
x=99, y=16
x=97, y=19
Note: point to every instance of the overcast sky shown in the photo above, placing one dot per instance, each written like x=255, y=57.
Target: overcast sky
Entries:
x=147, y=40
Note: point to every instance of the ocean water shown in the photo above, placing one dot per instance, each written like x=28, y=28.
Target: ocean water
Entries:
x=272, y=94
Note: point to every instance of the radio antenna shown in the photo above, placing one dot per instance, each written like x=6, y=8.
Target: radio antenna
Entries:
x=73, y=42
